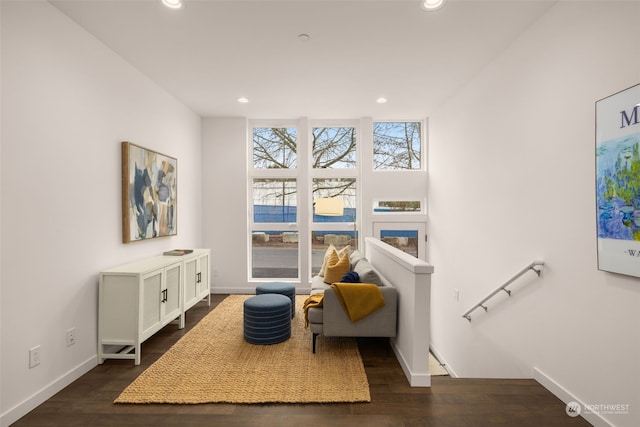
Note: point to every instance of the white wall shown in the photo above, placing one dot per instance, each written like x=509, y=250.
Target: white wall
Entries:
x=67, y=103
x=512, y=180
x=225, y=207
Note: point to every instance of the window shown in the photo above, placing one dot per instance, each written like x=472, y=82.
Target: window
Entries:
x=274, y=200
x=409, y=237
x=342, y=188
x=334, y=147
x=334, y=170
x=274, y=254
x=339, y=231
x=274, y=148
x=405, y=240
x=292, y=163
x=397, y=146
x=397, y=206
x=274, y=193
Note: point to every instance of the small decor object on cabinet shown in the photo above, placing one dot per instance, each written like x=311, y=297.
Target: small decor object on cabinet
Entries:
x=618, y=182
x=178, y=252
x=149, y=194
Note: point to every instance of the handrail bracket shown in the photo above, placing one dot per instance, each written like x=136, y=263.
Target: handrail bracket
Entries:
x=537, y=270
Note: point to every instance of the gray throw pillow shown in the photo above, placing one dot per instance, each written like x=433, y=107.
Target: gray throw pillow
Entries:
x=367, y=273
x=355, y=257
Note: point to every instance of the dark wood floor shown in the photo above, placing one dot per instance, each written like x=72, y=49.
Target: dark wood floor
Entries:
x=450, y=402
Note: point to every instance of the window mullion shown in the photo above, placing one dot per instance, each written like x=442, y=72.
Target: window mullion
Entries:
x=304, y=200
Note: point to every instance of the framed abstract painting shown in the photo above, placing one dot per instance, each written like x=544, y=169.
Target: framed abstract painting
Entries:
x=618, y=182
x=149, y=194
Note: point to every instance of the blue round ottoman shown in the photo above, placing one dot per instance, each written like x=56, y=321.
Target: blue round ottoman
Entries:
x=267, y=319
x=282, y=288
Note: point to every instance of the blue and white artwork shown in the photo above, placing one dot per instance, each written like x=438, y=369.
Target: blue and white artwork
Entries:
x=149, y=194
x=618, y=182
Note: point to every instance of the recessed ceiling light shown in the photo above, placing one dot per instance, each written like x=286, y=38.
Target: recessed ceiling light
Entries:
x=381, y=100
x=431, y=4
x=304, y=37
x=243, y=100
x=173, y=4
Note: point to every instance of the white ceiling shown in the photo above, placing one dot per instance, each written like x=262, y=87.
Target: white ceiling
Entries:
x=211, y=52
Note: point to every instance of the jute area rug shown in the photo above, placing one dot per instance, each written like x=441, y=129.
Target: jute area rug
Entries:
x=213, y=364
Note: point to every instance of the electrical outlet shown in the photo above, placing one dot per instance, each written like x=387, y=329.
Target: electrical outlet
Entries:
x=34, y=356
x=456, y=295
x=71, y=337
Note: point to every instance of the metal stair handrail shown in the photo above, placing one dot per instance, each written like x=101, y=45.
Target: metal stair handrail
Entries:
x=467, y=314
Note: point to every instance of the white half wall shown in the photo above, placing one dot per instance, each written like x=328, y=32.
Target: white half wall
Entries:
x=512, y=180
x=412, y=279
x=67, y=103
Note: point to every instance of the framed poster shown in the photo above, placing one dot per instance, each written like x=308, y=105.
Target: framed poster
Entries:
x=618, y=182
x=149, y=194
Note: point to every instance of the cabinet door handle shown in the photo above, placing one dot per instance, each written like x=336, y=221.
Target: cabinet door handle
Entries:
x=164, y=296
x=199, y=277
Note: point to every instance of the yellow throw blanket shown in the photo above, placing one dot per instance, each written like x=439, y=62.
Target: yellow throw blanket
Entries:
x=359, y=299
x=314, y=300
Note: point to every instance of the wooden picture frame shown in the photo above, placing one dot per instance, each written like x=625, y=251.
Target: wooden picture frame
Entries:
x=149, y=194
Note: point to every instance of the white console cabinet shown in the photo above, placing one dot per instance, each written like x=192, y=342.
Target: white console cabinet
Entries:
x=196, y=280
x=138, y=299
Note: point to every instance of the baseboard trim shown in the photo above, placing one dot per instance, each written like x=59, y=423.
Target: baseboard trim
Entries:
x=250, y=291
x=566, y=396
x=415, y=379
x=239, y=291
x=23, y=408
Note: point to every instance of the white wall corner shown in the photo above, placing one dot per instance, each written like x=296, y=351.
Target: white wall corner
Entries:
x=416, y=379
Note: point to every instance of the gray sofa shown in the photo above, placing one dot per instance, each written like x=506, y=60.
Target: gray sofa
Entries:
x=332, y=320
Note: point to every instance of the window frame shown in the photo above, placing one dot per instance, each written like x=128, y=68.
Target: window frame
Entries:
x=254, y=173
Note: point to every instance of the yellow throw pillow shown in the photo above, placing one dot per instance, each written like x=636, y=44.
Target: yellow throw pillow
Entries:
x=331, y=249
x=345, y=250
x=336, y=269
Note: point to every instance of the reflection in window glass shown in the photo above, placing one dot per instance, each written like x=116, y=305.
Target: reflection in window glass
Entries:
x=274, y=148
x=342, y=188
x=334, y=148
x=274, y=254
x=274, y=200
x=397, y=145
x=405, y=240
x=391, y=206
